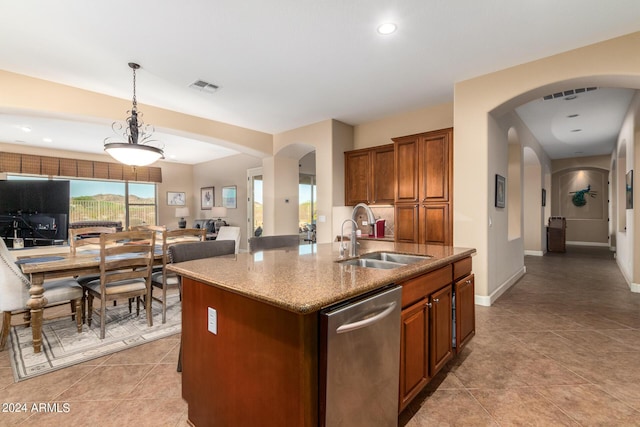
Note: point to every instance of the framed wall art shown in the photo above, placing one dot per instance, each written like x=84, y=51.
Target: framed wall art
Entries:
x=544, y=197
x=229, y=197
x=176, y=198
x=207, y=198
x=501, y=189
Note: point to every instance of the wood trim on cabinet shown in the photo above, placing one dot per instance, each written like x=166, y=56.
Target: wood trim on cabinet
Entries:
x=462, y=268
x=421, y=286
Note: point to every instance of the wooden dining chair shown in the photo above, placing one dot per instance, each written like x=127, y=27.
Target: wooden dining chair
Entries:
x=126, y=259
x=80, y=237
x=163, y=279
x=14, y=294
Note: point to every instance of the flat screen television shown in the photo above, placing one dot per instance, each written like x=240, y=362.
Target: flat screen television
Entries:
x=35, y=210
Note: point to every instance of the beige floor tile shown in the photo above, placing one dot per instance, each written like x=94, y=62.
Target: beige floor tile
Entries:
x=520, y=407
x=107, y=382
x=452, y=408
x=590, y=405
x=162, y=382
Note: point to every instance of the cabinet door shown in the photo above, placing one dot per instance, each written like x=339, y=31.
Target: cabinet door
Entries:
x=435, y=224
x=406, y=155
x=441, y=333
x=406, y=227
x=383, y=176
x=414, y=351
x=465, y=311
x=435, y=166
x=357, y=165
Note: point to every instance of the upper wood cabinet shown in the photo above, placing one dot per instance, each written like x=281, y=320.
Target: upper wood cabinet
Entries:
x=370, y=176
x=424, y=165
x=424, y=177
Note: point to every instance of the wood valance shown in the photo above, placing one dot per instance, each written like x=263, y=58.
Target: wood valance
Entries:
x=57, y=166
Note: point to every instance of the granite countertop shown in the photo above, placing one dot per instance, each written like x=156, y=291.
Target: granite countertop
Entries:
x=307, y=278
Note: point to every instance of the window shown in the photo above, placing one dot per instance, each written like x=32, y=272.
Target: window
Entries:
x=307, y=211
x=91, y=200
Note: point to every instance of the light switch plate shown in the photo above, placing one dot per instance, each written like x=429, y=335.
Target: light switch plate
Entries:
x=212, y=320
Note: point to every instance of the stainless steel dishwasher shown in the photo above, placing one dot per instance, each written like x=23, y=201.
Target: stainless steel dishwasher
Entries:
x=359, y=364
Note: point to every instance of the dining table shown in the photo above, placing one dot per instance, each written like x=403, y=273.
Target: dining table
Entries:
x=56, y=262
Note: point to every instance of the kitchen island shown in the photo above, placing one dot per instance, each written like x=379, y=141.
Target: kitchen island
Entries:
x=251, y=328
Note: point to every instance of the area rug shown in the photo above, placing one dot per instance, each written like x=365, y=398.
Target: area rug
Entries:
x=63, y=346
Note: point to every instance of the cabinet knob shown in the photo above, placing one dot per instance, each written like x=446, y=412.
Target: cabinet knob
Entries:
x=436, y=300
x=468, y=282
x=428, y=304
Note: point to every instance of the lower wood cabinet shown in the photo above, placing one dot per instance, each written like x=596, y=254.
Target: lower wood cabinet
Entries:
x=427, y=324
x=441, y=333
x=414, y=351
x=465, y=311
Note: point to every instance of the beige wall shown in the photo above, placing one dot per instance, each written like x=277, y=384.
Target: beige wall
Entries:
x=380, y=132
x=221, y=173
x=610, y=63
x=28, y=95
x=329, y=139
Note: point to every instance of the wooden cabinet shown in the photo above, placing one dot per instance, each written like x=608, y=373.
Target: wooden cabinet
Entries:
x=440, y=336
x=430, y=303
x=464, y=291
x=414, y=351
x=426, y=331
x=424, y=175
x=465, y=311
x=370, y=176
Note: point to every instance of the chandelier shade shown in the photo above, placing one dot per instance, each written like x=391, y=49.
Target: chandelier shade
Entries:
x=138, y=150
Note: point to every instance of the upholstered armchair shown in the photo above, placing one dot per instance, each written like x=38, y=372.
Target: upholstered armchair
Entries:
x=14, y=293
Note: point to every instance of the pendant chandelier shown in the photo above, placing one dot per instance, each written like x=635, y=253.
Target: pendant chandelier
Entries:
x=138, y=150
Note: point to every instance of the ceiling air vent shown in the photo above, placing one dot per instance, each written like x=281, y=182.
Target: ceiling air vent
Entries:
x=203, y=86
x=571, y=92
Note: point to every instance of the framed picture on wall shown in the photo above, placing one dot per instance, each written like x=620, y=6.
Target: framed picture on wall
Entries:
x=207, y=198
x=501, y=188
x=176, y=198
x=629, y=189
x=229, y=197
x=544, y=197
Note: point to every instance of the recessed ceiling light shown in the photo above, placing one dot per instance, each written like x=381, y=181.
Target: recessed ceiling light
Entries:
x=387, y=28
x=47, y=140
x=26, y=129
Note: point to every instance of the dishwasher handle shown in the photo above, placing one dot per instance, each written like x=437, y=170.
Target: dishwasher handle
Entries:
x=348, y=327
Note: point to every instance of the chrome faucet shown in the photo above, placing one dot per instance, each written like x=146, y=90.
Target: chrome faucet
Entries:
x=354, y=243
x=370, y=217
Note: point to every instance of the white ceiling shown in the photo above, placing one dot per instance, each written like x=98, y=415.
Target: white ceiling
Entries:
x=287, y=63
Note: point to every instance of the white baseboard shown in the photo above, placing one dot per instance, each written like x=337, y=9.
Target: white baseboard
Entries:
x=487, y=301
x=587, y=244
x=534, y=253
x=634, y=287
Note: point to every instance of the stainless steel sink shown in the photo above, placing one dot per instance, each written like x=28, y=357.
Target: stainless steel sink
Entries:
x=372, y=263
x=395, y=257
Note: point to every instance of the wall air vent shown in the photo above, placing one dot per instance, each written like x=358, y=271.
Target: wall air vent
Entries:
x=569, y=93
x=203, y=86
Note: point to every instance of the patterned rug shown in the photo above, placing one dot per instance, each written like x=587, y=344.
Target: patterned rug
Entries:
x=63, y=346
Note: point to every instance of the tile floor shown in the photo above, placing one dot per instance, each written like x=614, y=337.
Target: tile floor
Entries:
x=561, y=347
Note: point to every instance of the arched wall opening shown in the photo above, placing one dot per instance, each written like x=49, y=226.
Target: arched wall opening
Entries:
x=533, y=204
x=514, y=186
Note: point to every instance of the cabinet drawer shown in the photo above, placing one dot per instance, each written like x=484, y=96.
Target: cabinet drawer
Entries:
x=461, y=268
x=421, y=286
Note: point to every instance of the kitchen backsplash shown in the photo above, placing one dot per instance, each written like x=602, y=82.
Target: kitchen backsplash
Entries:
x=379, y=212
